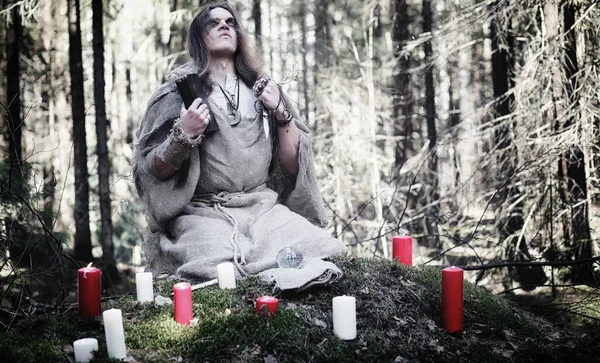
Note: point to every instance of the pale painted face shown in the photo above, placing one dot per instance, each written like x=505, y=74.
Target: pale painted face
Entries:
x=221, y=39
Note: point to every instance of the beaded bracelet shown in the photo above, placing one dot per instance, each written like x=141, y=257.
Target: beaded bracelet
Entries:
x=176, y=148
x=181, y=137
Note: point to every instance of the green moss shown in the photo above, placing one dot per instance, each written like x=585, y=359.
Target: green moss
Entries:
x=38, y=339
x=398, y=315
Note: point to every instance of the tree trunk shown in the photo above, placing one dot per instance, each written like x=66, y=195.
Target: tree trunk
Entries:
x=270, y=17
x=3, y=54
x=572, y=163
x=324, y=59
x=304, y=51
x=129, y=95
x=402, y=108
x=83, y=242
x=48, y=195
x=13, y=90
x=591, y=36
x=454, y=117
x=509, y=220
x=325, y=50
x=283, y=39
x=432, y=210
x=106, y=232
x=257, y=17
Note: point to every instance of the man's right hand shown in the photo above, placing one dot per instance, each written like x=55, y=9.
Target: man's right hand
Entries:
x=195, y=119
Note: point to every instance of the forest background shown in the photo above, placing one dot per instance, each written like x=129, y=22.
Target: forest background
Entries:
x=472, y=125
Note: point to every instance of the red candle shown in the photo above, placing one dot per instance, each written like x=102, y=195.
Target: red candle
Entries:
x=452, y=299
x=89, y=288
x=267, y=305
x=402, y=249
x=183, y=302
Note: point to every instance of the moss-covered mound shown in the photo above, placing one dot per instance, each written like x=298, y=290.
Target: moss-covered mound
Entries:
x=398, y=320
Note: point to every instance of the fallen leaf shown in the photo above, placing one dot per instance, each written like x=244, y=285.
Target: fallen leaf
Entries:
x=271, y=359
x=402, y=322
x=507, y=353
x=319, y=322
x=509, y=334
x=435, y=346
x=160, y=300
x=322, y=342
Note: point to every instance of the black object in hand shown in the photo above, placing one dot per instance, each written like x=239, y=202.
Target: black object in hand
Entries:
x=190, y=88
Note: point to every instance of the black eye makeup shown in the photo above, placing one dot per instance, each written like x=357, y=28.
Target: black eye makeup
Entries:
x=231, y=22
x=212, y=23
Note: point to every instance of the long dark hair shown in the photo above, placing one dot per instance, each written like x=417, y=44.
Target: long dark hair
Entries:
x=247, y=65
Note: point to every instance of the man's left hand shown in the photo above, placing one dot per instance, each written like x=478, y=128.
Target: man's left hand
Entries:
x=270, y=97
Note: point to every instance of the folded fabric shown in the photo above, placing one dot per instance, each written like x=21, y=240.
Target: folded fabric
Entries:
x=314, y=272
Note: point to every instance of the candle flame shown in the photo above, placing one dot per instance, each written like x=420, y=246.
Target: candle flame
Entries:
x=85, y=270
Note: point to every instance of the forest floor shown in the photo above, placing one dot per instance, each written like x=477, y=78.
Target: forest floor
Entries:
x=398, y=320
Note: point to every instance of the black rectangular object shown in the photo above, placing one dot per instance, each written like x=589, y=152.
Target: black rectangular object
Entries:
x=190, y=88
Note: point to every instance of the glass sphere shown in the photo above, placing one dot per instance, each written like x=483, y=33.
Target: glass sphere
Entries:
x=289, y=257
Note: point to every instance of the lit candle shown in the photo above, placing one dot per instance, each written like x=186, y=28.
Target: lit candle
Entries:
x=89, y=291
x=226, y=275
x=84, y=349
x=143, y=284
x=344, y=317
x=402, y=249
x=115, y=335
x=452, y=299
x=267, y=305
x=182, y=298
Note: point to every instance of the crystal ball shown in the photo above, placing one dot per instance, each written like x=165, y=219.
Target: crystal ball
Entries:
x=289, y=257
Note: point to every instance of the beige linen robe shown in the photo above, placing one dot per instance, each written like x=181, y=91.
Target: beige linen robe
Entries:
x=225, y=204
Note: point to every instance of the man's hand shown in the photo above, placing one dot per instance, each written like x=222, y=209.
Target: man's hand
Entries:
x=270, y=97
x=195, y=119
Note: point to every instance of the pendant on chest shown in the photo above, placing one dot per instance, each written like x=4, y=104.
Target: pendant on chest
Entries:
x=236, y=115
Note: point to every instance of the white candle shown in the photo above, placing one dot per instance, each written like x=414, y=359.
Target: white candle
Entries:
x=344, y=317
x=226, y=275
x=115, y=336
x=84, y=349
x=143, y=284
